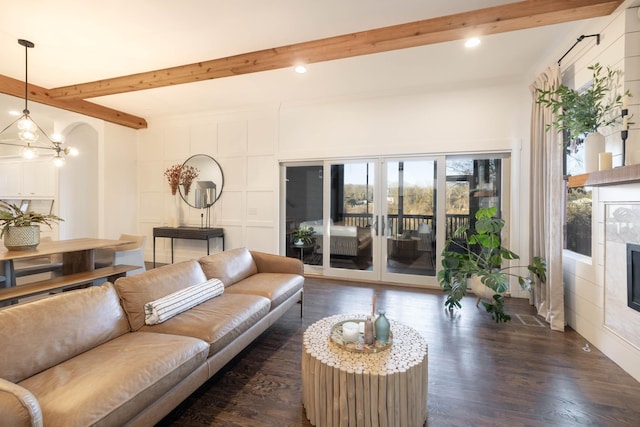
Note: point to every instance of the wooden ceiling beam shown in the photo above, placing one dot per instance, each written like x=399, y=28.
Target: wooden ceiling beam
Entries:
x=482, y=22
x=13, y=87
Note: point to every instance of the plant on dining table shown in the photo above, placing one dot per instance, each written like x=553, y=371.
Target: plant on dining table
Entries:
x=12, y=216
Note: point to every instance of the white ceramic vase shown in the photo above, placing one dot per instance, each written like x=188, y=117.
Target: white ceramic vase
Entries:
x=480, y=290
x=593, y=146
x=174, y=211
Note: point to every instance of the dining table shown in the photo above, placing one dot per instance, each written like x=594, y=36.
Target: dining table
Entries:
x=78, y=255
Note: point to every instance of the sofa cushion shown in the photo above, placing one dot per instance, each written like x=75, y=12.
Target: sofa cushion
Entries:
x=166, y=307
x=229, y=266
x=137, y=290
x=278, y=287
x=44, y=333
x=111, y=383
x=217, y=321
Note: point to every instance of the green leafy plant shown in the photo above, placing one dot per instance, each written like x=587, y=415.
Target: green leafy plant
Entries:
x=583, y=111
x=12, y=216
x=304, y=234
x=478, y=252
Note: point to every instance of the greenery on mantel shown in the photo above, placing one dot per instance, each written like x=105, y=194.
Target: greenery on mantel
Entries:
x=12, y=216
x=580, y=112
x=478, y=252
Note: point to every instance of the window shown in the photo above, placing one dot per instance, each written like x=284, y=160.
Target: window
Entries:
x=578, y=205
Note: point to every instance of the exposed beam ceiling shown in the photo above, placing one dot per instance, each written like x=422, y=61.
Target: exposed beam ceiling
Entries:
x=39, y=94
x=499, y=19
x=493, y=20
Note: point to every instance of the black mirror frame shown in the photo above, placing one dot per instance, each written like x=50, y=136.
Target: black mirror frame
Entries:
x=218, y=192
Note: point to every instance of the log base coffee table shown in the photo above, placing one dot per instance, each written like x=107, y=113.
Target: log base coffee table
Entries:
x=346, y=388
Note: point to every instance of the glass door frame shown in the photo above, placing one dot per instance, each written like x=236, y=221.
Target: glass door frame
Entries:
x=379, y=249
x=405, y=278
x=355, y=274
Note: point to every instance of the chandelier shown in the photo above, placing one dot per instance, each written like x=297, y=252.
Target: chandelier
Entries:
x=28, y=130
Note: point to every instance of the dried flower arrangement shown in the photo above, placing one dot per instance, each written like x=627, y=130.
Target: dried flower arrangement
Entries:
x=181, y=175
x=173, y=177
x=189, y=173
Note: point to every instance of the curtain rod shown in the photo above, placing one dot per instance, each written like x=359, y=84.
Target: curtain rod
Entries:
x=582, y=37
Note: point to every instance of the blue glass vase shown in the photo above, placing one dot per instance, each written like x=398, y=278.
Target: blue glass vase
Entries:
x=382, y=327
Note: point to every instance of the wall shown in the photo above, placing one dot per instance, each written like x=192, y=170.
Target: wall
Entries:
x=585, y=278
x=118, y=189
x=250, y=145
x=244, y=143
x=98, y=189
x=78, y=198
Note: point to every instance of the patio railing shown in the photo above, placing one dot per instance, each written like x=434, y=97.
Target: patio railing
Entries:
x=409, y=222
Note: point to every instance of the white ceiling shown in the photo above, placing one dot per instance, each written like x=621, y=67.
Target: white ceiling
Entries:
x=79, y=42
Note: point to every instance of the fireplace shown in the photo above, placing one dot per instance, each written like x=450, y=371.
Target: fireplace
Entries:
x=633, y=276
x=621, y=294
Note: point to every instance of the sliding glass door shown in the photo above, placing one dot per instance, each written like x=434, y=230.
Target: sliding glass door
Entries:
x=350, y=234
x=385, y=219
x=409, y=217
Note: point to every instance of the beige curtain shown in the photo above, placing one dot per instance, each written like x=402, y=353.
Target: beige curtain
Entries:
x=547, y=188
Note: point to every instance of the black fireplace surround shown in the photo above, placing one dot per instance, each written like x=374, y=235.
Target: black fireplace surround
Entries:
x=633, y=276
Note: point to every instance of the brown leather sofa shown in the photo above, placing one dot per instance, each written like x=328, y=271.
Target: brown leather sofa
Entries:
x=86, y=357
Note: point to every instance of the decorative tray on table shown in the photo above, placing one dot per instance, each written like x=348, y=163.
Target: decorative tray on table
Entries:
x=335, y=336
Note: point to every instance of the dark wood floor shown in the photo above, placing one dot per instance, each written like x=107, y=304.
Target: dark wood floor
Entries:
x=480, y=373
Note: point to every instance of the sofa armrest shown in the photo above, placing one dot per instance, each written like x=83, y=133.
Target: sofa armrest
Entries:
x=271, y=263
x=18, y=406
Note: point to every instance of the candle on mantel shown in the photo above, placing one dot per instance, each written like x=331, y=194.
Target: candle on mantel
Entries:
x=625, y=123
x=605, y=161
x=625, y=101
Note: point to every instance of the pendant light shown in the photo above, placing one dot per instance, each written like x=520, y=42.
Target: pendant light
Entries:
x=29, y=131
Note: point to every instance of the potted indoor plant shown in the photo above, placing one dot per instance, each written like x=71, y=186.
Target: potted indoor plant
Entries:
x=475, y=257
x=303, y=236
x=580, y=112
x=21, y=230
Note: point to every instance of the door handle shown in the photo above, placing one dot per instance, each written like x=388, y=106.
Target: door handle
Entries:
x=382, y=231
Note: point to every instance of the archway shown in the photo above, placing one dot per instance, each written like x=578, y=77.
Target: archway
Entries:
x=78, y=185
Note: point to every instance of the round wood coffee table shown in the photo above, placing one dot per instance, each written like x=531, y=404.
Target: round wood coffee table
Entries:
x=342, y=387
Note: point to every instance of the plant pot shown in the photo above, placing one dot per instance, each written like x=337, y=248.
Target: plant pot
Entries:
x=26, y=238
x=480, y=290
x=298, y=242
x=593, y=146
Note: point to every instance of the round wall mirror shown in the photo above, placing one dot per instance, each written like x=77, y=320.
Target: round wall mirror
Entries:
x=205, y=187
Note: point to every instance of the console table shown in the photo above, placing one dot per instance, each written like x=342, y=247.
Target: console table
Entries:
x=189, y=233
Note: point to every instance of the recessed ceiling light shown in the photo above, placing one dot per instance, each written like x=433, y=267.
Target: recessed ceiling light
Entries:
x=301, y=69
x=472, y=42
x=14, y=113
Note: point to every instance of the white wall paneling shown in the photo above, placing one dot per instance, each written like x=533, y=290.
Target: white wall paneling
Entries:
x=263, y=135
x=204, y=139
x=261, y=208
x=261, y=239
x=231, y=208
x=235, y=172
x=262, y=172
x=232, y=137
